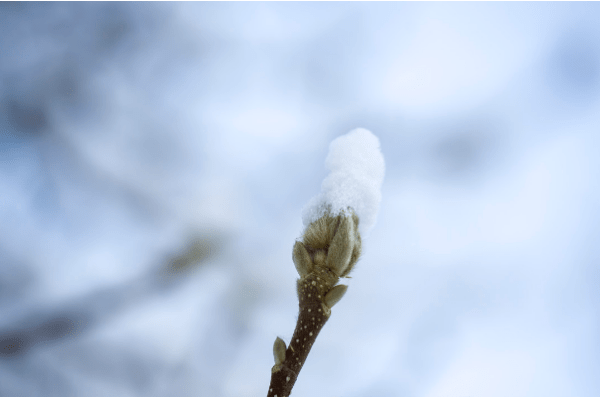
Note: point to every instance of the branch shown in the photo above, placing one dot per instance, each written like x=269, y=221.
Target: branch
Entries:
x=330, y=248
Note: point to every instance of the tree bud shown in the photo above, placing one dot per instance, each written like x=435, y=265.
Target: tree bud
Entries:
x=301, y=259
x=279, y=351
x=335, y=294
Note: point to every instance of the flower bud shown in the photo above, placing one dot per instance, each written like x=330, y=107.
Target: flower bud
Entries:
x=356, y=250
x=340, y=250
x=318, y=234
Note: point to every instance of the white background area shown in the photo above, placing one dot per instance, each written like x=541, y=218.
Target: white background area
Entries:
x=126, y=129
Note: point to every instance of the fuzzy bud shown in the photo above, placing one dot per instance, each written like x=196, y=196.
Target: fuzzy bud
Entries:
x=331, y=241
x=318, y=234
x=356, y=250
x=341, y=247
x=279, y=351
x=335, y=294
x=301, y=259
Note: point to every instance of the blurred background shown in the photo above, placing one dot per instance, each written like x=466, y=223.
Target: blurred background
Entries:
x=155, y=158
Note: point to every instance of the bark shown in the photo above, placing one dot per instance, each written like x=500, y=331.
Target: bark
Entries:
x=312, y=316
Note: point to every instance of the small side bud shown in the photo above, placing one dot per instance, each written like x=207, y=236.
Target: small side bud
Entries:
x=335, y=294
x=340, y=250
x=279, y=351
x=301, y=259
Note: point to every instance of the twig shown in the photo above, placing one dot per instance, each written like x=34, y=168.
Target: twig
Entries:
x=330, y=248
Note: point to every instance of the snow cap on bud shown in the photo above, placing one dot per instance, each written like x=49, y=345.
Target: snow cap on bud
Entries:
x=357, y=169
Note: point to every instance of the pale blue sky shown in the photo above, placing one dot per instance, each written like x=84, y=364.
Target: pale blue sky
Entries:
x=128, y=130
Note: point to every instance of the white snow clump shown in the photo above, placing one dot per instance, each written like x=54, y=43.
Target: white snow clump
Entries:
x=356, y=168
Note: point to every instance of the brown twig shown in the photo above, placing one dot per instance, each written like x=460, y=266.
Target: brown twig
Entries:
x=330, y=248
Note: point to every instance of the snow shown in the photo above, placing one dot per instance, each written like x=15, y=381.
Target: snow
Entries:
x=357, y=169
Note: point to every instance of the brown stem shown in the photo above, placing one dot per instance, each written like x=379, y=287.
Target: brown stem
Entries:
x=313, y=314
